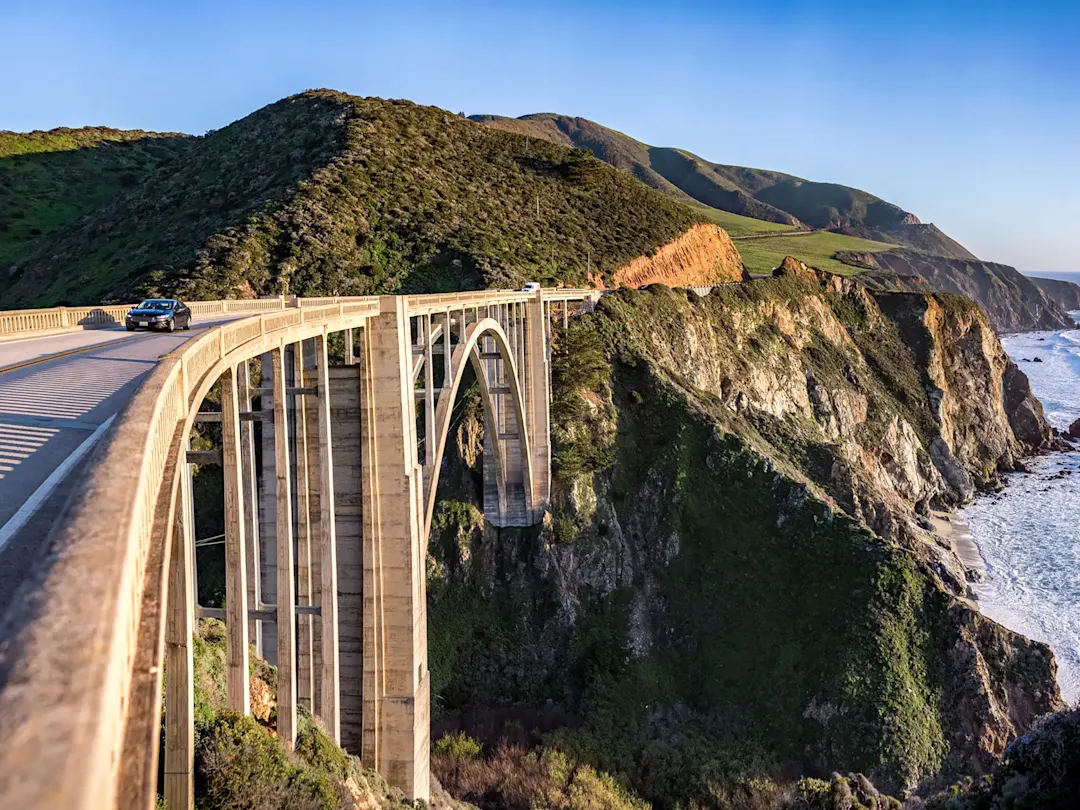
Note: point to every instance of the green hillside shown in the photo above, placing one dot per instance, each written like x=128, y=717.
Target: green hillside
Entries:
x=817, y=249
x=329, y=193
x=737, y=225
x=773, y=197
x=678, y=174
x=50, y=179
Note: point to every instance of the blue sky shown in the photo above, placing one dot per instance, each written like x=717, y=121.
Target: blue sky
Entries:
x=966, y=113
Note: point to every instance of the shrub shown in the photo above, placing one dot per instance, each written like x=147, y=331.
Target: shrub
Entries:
x=239, y=766
x=516, y=779
x=457, y=746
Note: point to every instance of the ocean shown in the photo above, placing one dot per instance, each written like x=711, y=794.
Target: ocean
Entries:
x=1029, y=534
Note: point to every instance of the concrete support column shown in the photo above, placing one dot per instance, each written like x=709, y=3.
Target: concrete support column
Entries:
x=350, y=353
x=305, y=591
x=424, y=327
x=396, y=716
x=286, y=558
x=268, y=502
x=345, y=398
x=538, y=403
x=251, y=516
x=328, y=586
x=236, y=593
x=179, y=664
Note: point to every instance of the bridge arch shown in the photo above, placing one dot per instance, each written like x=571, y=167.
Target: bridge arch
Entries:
x=468, y=351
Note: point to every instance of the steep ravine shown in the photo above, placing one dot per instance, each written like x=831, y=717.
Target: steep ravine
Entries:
x=737, y=582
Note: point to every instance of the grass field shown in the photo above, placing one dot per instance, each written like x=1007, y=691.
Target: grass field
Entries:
x=735, y=224
x=817, y=250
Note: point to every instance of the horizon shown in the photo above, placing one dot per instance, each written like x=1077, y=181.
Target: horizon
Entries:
x=962, y=116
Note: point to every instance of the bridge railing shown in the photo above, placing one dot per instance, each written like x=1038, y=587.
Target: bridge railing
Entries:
x=28, y=322
x=56, y=318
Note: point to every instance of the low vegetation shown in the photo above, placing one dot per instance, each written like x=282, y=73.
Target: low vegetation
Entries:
x=1040, y=771
x=772, y=198
x=513, y=778
x=241, y=765
x=50, y=179
x=325, y=193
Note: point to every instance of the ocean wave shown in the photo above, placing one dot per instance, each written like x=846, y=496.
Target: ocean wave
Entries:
x=1029, y=534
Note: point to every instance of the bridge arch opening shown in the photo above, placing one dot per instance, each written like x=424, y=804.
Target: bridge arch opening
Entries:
x=487, y=351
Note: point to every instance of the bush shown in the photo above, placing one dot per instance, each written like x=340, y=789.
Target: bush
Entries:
x=457, y=746
x=239, y=766
x=516, y=779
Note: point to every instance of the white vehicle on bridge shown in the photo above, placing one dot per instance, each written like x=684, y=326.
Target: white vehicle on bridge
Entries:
x=531, y=286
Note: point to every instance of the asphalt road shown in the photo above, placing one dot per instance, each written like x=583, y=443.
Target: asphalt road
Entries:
x=51, y=414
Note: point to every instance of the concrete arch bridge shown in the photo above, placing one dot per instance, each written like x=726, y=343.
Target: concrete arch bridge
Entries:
x=330, y=474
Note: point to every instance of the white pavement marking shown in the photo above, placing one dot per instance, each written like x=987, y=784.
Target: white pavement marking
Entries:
x=26, y=511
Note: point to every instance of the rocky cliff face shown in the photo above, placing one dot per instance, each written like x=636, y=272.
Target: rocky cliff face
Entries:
x=702, y=256
x=736, y=577
x=1013, y=302
x=1066, y=294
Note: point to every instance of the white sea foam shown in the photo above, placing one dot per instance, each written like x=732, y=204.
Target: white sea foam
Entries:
x=1029, y=535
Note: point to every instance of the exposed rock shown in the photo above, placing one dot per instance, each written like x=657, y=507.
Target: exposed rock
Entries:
x=702, y=256
x=1012, y=301
x=1074, y=430
x=1024, y=410
x=1066, y=294
x=262, y=699
x=997, y=688
x=793, y=267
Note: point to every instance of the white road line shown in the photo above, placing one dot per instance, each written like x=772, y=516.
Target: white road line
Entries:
x=26, y=511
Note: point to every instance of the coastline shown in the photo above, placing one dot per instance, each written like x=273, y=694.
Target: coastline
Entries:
x=958, y=534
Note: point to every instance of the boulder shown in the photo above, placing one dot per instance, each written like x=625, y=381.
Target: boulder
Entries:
x=1074, y=430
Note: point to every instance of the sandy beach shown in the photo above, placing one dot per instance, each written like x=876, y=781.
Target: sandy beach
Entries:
x=963, y=545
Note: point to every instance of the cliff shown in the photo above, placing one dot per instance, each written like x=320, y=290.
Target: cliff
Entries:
x=1066, y=294
x=736, y=580
x=702, y=256
x=1013, y=302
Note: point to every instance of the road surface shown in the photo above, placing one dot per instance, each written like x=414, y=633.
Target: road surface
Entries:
x=51, y=414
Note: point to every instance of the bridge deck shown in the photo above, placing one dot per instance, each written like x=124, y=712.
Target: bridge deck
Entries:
x=51, y=407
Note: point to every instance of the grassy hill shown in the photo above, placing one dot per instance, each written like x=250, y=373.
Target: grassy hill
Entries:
x=818, y=249
x=677, y=174
x=329, y=193
x=772, y=197
x=50, y=179
x=923, y=237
